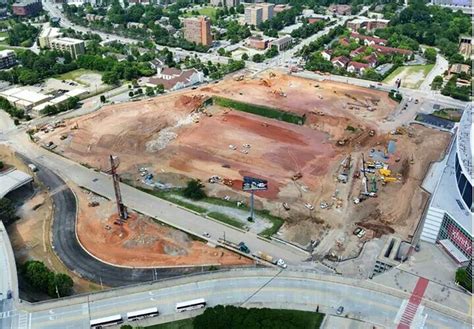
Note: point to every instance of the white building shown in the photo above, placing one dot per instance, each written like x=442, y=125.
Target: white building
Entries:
x=47, y=34
x=449, y=219
x=7, y=58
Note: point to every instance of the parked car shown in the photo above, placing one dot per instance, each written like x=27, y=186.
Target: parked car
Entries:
x=340, y=310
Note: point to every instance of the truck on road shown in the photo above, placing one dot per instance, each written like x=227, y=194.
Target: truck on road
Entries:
x=240, y=246
x=266, y=257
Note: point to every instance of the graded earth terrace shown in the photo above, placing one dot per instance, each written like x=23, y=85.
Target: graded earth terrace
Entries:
x=188, y=134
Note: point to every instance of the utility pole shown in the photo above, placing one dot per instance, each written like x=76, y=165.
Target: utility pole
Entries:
x=121, y=209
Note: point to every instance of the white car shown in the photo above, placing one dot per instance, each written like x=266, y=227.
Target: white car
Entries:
x=207, y=235
x=309, y=206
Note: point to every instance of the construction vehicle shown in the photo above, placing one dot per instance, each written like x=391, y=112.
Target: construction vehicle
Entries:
x=371, y=133
x=385, y=172
x=296, y=176
x=286, y=206
x=266, y=83
x=271, y=75
x=240, y=246
x=412, y=160
x=93, y=204
x=228, y=182
x=389, y=179
x=279, y=92
x=238, y=77
x=263, y=256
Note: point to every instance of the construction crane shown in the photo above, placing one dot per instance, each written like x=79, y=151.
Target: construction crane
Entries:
x=121, y=209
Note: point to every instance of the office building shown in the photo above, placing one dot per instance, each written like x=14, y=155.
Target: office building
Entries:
x=73, y=46
x=282, y=43
x=253, y=15
x=198, y=30
x=27, y=8
x=7, y=58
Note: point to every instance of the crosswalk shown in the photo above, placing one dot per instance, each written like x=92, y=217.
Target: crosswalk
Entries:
x=410, y=313
x=23, y=320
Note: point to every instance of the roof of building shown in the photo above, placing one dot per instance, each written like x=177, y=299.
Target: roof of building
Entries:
x=367, y=37
x=25, y=95
x=371, y=58
x=458, y=68
x=51, y=32
x=171, y=71
x=358, y=65
x=66, y=40
x=282, y=40
x=465, y=142
x=170, y=83
x=11, y=180
x=342, y=59
x=6, y=52
x=390, y=50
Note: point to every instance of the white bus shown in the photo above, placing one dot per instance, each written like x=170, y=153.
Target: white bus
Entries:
x=191, y=305
x=141, y=314
x=106, y=322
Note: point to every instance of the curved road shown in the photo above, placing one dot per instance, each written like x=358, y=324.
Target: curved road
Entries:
x=362, y=300
x=71, y=252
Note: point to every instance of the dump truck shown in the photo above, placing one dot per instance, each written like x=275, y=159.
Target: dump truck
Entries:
x=266, y=257
x=240, y=246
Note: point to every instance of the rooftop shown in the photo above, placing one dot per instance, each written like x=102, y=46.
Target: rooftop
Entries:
x=465, y=141
x=25, y=95
x=70, y=41
x=12, y=180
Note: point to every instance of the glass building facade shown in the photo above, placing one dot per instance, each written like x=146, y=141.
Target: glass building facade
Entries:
x=464, y=186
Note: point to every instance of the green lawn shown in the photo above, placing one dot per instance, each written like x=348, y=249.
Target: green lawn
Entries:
x=226, y=219
x=412, y=76
x=207, y=11
x=181, y=324
x=73, y=75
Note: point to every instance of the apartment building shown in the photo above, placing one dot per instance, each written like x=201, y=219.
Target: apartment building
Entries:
x=47, y=35
x=74, y=46
x=198, y=30
x=226, y=3
x=27, y=8
x=7, y=58
x=253, y=15
x=267, y=10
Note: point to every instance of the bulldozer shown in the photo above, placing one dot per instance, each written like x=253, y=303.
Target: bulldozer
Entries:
x=265, y=83
x=271, y=75
x=297, y=176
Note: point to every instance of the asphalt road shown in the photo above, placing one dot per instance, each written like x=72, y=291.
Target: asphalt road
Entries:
x=71, y=252
x=362, y=300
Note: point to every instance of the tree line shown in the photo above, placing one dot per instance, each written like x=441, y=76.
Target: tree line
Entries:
x=42, y=279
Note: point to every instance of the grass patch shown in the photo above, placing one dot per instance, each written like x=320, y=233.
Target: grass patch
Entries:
x=263, y=111
x=277, y=222
x=462, y=277
x=404, y=72
x=181, y=324
x=206, y=11
x=448, y=114
x=226, y=219
x=75, y=75
x=169, y=196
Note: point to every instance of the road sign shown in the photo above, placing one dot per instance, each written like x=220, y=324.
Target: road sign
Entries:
x=254, y=184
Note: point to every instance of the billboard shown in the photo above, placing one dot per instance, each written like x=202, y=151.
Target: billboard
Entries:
x=254, y=184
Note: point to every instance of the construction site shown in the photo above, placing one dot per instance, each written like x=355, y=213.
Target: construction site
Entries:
x=337, y=171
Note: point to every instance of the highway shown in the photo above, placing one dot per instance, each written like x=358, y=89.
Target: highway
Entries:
x=270, y=288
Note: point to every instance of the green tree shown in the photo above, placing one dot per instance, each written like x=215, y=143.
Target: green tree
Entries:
x=61, y=284
x=1, y=165
x=149, y=91
x=7, y=209
x=430, y=55
x=102, y=98
x=194, y=190
x=130, y=94
x=221, y=51
x=245, y=57
x=257, y=58
x=462, y=277
x=437, y=82
x=111, y=78
x=160, y=89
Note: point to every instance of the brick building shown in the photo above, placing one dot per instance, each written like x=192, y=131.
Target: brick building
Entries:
x=198, y=30
x=27, y=8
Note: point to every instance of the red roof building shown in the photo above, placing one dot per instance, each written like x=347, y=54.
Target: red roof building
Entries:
x=340, y=61
x=390, y=50
x=357, y=67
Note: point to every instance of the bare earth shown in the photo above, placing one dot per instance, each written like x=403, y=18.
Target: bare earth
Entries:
x=173, y=137
x=141, y=242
